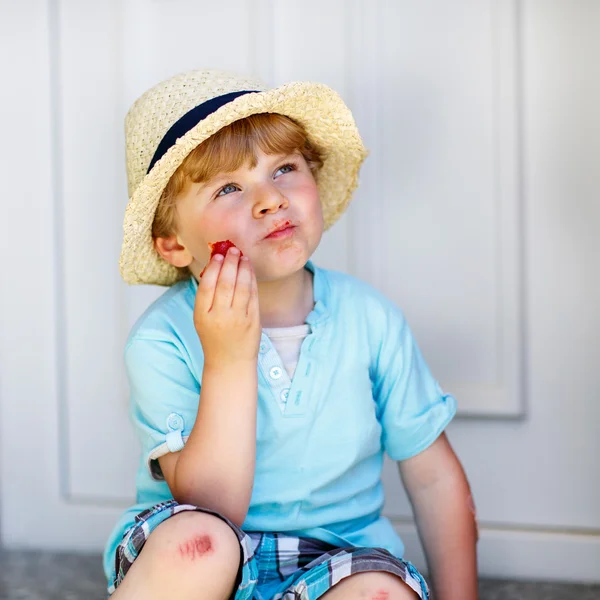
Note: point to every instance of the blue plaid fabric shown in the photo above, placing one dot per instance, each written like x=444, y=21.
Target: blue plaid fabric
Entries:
x=275, y=566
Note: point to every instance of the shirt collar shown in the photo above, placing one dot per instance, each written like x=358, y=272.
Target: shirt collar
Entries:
x=319, y=313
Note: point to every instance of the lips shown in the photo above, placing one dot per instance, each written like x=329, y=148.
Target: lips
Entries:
x=282, y=230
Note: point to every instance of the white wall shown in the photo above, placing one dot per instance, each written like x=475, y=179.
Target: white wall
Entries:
x=478, y=213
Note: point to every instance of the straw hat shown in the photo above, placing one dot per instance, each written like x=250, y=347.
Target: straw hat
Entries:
x=167, y=122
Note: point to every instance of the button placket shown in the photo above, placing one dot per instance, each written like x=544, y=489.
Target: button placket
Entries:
x=274, y=372
x=299, y=395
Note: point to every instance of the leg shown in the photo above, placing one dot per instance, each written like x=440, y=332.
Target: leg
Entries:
x=190, y=556
x=355, y=573
x=371, y=586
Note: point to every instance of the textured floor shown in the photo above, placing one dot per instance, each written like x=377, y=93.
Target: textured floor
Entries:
x=43, y=576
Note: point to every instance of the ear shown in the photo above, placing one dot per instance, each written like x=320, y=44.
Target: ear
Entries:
x=171, y=249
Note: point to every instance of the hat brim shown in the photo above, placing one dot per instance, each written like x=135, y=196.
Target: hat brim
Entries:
x=329, y=125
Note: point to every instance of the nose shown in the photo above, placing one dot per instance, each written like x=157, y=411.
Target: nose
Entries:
x=269, y=200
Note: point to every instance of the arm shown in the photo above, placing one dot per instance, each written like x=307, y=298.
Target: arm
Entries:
x=215, y=469
x=441, y=499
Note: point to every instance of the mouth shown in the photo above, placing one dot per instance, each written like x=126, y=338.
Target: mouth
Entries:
x=284, y=230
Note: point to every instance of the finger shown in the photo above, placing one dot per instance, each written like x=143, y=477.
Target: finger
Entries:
x=253, y=309
x=207, y=283
x=243, y=285
x=226, y=281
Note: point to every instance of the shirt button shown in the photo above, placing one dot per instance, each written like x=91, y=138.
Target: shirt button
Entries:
x=263, y=348
x=175, y=422
x=275, y=373
x=284, y=395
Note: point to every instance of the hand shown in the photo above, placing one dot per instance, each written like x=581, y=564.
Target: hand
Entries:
x=226, y=315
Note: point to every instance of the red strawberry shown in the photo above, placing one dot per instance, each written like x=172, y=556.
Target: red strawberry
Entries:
x=220, y=248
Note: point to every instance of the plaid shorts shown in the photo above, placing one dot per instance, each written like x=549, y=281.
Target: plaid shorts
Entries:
x=275, y=566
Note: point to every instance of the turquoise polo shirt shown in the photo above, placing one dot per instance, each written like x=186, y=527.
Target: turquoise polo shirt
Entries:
x=361, y=389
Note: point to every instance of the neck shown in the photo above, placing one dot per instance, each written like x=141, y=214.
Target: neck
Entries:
x=286, y=302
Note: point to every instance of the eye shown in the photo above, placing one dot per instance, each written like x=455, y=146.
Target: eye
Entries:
x=227, y=189
x=287, y=168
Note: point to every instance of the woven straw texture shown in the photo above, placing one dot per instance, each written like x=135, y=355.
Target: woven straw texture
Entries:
x=327, y=120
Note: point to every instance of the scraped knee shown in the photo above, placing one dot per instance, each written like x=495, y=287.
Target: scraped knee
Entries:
x=193, y=542
x=196, y=547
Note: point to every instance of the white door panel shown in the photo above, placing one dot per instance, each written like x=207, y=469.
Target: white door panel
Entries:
x=467, y=216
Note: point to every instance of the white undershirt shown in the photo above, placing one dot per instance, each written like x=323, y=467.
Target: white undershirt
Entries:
x=288, y=341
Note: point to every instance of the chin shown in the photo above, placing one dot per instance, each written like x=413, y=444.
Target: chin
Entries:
x=274, y=271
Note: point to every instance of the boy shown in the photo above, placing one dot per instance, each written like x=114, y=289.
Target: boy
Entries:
x=264, y=390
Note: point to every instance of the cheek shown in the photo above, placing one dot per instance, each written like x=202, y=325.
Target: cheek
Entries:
x=196, y=232
x=309, y=192
x=219, y=221
x=218, y=225
x=315, y=207
x=211, y=225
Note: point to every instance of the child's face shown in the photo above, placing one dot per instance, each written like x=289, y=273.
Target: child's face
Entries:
x=272, y=212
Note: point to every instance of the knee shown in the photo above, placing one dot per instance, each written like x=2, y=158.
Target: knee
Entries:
x=374, y=586
x=385, y=586
x=190, y=540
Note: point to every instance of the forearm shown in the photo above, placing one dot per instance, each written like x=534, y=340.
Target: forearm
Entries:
x=448, y=530
x=215, y=469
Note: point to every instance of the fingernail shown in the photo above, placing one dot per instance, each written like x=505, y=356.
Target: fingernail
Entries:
x=234, y=250
x=218, y=257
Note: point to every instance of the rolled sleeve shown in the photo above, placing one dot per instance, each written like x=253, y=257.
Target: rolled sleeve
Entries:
x=412, y=408
x=164, y=396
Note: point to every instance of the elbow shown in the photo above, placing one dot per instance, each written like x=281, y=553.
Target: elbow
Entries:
x=230, y=509
x=232, y=512
x=238, y=518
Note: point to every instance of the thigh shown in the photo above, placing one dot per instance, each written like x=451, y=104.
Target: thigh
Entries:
x=147, y=522
x=341, y=565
